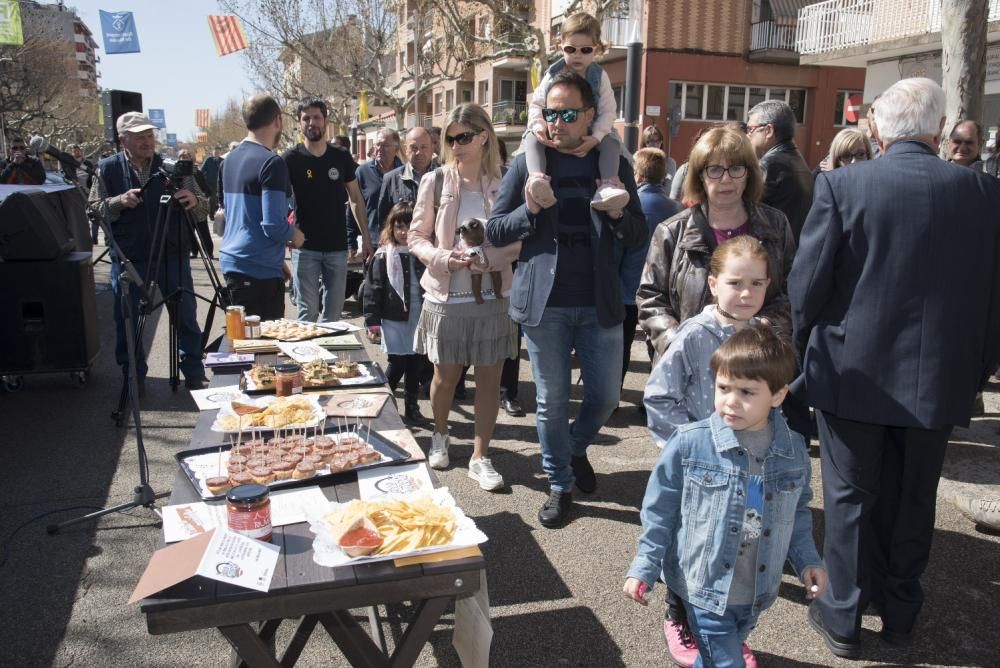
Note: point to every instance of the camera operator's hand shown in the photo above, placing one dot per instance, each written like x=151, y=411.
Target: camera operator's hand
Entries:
x=131, y=198
x=17, y=157
x=187, y=198
x=297, y=238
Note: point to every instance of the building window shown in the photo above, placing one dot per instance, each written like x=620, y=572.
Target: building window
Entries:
x=840, y=108
x=449, y=98
x=513, y=90
x=466, y=95
x=718, y=102
x=484, y=92
x=438, y=103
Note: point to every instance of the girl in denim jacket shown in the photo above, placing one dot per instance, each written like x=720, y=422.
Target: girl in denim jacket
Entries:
x=727, y=503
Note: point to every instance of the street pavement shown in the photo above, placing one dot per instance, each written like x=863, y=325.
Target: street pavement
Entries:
x=555, y=594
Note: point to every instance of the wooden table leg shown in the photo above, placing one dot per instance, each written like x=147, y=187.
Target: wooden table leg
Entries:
x=298, y=641
x=357, y=646
x=375, y=627
x=419, y=630
x=249, y=646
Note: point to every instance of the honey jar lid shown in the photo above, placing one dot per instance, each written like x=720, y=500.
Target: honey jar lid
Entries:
x=289, y=367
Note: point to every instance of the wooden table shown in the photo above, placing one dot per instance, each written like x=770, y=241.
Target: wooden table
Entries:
x=310, y=594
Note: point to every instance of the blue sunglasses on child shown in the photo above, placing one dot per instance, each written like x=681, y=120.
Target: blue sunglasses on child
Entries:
x=567, y=115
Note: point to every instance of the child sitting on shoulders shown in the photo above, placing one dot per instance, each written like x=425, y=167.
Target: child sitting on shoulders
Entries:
x=392, y=302
x=580, y=42
x=728, y=502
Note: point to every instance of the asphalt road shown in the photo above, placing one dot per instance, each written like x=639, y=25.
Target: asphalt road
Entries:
x=555, y=594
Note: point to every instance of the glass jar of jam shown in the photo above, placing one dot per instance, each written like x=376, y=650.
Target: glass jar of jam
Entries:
x=287, y=379
x=234, y=322
x=248, y=510
x=251, y=327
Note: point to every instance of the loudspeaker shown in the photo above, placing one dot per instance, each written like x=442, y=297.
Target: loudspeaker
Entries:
x=32, y=227
x=116, y=103
x=48, y=315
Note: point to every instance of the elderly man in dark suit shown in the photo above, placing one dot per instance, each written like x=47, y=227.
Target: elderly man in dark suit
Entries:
x=895, y=296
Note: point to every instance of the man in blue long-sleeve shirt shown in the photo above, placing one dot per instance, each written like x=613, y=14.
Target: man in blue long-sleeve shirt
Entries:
x=255, y=183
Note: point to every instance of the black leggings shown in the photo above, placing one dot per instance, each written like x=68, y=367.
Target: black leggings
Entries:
x=408, y=365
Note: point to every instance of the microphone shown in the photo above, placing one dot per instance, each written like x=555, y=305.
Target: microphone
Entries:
x=40, y=144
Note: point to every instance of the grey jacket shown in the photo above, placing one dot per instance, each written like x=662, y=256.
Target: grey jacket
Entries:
x=681, y=387
x=674, y=284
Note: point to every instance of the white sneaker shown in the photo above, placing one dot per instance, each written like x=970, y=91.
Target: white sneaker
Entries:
x=438, y=456
x=482, y=471
x=609, y=198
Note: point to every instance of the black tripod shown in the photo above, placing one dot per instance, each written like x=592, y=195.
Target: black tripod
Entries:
x=171, y=209
x=144, y=496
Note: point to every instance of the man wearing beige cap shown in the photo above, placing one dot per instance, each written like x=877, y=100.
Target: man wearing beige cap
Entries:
x=117, y=195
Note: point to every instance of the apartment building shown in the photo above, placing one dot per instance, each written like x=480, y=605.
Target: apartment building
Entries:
x=891, y=40
x=704, y=62
x=65, y=31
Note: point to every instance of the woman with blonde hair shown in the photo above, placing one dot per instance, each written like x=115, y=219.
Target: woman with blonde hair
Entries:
x=458, y=328
x=724, y=184
x=849, y=146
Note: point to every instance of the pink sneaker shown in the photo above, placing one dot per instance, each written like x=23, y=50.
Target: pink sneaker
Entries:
x=748, y=657
x=680, y=643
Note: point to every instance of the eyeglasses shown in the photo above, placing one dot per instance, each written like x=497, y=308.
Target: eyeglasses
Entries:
x=858, y=155
x=753, y=128
x=567, y=115
x=585, y=50
x=462, y=139
x=735, y=172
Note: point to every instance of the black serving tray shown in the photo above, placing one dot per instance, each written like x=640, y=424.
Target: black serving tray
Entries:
x=374, y=370
x=381, y=444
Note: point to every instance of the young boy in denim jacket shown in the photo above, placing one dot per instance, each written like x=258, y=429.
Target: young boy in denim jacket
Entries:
x=728, y=501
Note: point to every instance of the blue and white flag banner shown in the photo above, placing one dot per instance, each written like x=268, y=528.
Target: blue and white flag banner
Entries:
x=119, y=32
x=158, y=118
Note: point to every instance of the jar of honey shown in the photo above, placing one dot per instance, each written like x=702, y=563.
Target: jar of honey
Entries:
x=248, y=511
x=251, y=328
x=235, y=322
x=287, y=379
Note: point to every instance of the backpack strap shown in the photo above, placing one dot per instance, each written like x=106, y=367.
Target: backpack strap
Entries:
x=438, y=188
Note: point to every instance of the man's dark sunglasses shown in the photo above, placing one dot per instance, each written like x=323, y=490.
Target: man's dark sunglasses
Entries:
x=586, y=50
x=461, y=140
x=567, y=115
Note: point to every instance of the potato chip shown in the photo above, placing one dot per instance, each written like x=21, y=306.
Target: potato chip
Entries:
x=404, y=525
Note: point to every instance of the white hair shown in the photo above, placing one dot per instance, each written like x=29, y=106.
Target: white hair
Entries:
x=910, y=108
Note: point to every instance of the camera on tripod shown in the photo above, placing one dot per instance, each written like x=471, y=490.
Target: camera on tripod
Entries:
x=175, y=171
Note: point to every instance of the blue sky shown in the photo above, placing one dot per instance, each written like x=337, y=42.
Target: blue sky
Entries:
x=178, y=69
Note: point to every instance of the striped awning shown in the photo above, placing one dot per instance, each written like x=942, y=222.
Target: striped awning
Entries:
x=785, y=12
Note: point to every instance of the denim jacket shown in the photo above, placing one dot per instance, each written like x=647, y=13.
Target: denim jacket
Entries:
x=694, y=506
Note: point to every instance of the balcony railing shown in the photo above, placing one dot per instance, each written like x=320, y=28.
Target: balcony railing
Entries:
x=614, y=31
x=770, y=35
x=509, y=112
x=842, y=24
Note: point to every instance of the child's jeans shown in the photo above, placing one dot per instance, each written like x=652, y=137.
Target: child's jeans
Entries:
x=720, y=638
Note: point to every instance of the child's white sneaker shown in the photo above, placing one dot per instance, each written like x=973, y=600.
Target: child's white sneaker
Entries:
x=541, y=190
x=609, y=198
x=481, y=470
x=438, y=456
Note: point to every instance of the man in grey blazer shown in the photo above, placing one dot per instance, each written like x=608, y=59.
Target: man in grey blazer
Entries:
x=895, y=295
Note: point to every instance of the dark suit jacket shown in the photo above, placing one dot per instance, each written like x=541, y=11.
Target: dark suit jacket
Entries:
x=895, y=289
x=788, y=184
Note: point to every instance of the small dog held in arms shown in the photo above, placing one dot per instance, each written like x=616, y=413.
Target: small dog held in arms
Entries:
x=473, y=235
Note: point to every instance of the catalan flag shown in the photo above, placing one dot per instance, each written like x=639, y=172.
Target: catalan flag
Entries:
x=202, y=118
x=227, y=31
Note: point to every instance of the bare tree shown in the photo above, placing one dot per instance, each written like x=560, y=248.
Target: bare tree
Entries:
x=963, y=60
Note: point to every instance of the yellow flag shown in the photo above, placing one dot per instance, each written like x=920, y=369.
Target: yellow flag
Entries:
x=10, y=22
x=362, y=107
x=534, y=74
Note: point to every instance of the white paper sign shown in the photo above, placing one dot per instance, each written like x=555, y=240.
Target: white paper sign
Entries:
x=305, y=351
x=288, y=506
x=239, y=560
x=212, y=398
x=393, y=480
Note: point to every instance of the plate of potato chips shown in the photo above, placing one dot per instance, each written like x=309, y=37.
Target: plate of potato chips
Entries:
x=408, y=525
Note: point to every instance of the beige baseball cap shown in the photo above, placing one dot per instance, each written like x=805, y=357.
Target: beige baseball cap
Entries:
x=134, y=121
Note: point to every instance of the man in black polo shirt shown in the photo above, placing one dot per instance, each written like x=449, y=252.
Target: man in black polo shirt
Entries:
x=322, y=177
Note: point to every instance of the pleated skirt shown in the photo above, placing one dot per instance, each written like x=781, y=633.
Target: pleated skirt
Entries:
x=468, y=333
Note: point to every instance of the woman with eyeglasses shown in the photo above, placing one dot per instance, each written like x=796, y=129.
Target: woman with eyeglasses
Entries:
x=455, y=330
x=724, y=184
x=848, y=147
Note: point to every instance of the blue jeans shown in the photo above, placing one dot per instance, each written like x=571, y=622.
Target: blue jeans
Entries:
x=720, y=637
x=550, y=346
x=309, y=267
x=188, y=330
